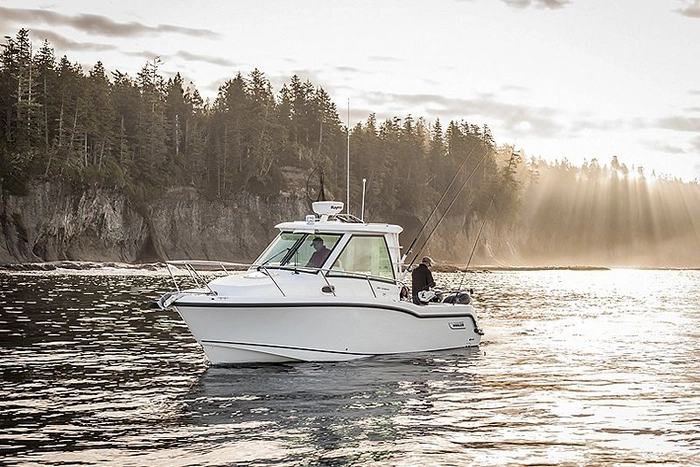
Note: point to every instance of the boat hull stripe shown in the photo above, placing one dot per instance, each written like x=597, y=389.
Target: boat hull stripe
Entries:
x=180, y=304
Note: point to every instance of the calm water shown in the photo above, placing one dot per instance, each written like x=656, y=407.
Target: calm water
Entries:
x=576, y=368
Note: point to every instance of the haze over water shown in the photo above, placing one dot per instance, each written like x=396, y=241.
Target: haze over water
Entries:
x=576, y=368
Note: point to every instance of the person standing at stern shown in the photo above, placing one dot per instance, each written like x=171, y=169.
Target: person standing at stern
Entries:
x=421, y=278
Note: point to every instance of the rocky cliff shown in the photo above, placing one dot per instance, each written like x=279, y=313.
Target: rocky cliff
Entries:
x=54, y=223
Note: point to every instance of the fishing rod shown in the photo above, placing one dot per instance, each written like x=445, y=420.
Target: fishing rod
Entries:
x=457, y=291
x=442, y=198
x=476, y=241
x=454, y=199
x=478, y=234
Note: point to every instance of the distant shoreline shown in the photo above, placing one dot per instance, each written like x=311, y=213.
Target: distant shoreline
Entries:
x=475, y=269
x=78, y=266
x=443, y=268
x=447, y=268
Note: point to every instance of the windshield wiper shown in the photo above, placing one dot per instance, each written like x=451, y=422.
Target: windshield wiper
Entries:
x=285, y=251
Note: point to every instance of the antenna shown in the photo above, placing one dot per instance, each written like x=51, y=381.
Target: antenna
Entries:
x=364, y=184
x=347, y=180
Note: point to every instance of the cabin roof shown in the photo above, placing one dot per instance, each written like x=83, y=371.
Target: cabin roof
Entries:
x=336, y=226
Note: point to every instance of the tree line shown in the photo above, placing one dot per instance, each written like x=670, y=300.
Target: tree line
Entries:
x=144, y=133
x=608, y=214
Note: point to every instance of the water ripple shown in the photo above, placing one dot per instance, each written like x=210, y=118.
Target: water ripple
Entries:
x=576, y=368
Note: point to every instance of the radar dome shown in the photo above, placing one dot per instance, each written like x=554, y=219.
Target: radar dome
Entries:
x=327, y=208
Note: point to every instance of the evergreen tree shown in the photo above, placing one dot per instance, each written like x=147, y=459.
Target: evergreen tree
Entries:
x=231, y=131
x=70, y=88
x=99, y=118
x=195, y=137
x=126, y=98
x=151, y=152
x=45, y=64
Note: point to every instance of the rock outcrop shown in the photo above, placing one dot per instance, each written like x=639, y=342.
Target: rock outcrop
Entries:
x=52, y=223
x=55, y=223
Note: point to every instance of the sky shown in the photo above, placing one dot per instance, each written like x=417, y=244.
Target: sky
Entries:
x=557, y=79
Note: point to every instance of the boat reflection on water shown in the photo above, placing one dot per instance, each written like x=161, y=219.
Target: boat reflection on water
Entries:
x=318, y=407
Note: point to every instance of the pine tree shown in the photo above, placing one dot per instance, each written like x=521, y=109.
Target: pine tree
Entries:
x=126, y=98
x=266, y=129
x=99, y=118
x=45, y=63
x=72, y=108
x=194, y=136
x=151, y=154
x=231, y=120
x=26, y=109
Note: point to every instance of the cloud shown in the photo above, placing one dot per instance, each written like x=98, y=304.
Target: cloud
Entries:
x=182, y=54
x=346, y=69
x=695, y=143
x=515, y=119
x=97, y=24
x=384, y=59
x=514, y=88
x=546, y=4
x=147, y=55
x=662, y=146
x=679, y=145
x=680, y=124
x=61, y=42
x=605, y=125
x=214, y=60
x=692, y=10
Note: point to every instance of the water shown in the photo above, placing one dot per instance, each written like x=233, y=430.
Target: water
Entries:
x=576, y=368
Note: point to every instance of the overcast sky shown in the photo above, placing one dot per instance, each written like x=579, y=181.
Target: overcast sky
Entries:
x=578, y=79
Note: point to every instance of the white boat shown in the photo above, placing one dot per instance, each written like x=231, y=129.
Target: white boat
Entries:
x=353, y=305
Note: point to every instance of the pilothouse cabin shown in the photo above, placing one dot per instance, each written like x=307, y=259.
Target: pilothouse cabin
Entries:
x=355, y=248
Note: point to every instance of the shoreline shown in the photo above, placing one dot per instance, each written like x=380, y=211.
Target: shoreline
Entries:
x=487, y=268
x=440, y=268
x=79, y=266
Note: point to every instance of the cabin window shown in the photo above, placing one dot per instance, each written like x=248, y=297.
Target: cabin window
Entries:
x=304, y=255
x=280, y=248
x=293, y=249
x=365, y=256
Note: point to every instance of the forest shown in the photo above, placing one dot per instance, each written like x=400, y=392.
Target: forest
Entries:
x=143, y=134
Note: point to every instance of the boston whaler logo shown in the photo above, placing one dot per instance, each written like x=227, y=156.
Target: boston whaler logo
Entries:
x=457, y=325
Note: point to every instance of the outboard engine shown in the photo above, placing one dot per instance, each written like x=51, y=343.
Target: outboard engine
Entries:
x=459, y=298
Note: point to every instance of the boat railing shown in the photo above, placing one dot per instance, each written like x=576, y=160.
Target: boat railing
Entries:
x=267, y=273
x=308, y=269
x=193, y=268
x=324, y=274
x=327, y=273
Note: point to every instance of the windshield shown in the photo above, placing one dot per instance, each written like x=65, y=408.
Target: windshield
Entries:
x=298, y=250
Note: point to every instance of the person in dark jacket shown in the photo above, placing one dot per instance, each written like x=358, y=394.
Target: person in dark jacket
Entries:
x=422, y=278
x=320, y=254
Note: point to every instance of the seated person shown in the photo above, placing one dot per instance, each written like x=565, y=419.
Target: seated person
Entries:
x=320, y=255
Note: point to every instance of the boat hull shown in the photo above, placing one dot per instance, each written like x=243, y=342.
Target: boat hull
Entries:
x=233, y=333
